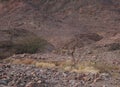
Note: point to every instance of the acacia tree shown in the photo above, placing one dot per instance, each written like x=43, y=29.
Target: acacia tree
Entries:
x=73, y=50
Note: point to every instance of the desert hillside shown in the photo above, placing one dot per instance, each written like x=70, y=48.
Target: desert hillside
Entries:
x=58, y=21
x=60, y=43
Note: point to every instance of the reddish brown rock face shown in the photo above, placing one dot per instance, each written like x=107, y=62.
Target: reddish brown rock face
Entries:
x=60, y=21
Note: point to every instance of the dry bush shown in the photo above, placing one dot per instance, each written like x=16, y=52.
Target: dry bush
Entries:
x=22, y=45
x=23, y=61
x=63, y=65
x=45, y=64
x=2, y=55
x=29, y=45
x=108, y=68
x=5, y=44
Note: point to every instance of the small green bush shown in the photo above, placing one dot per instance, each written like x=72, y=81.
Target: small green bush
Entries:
x=29, y=45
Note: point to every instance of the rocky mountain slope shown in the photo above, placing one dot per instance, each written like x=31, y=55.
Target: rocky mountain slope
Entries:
x=81, y=40
x=59, y=21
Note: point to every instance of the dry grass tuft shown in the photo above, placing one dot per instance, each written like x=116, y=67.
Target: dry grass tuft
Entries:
x=24, y=61
x=20, y=61
x=45, y=65
x=84, y=67
x=106, y=67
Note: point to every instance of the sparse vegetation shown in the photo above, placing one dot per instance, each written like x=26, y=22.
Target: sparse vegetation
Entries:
x=45, y=64
x=5, y=49
x=23, y=61
x=29, y=45
x=86, y=43
x=2, y=55
x=105, y=68
x=63, y=65
x=5, y=44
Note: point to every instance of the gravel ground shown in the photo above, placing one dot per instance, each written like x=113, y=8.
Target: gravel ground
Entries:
x=30, y=76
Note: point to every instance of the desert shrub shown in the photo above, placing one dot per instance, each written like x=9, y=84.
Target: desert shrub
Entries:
x=5, y=44
x=29, y=45
x=22, y=45
x=5, y=54
x=2, y=55
x=5, y=47
x=106, y=67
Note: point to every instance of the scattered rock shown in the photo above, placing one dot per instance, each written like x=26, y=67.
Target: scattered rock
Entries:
x=105, y=76
x=3, y=82
x=30, y=84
